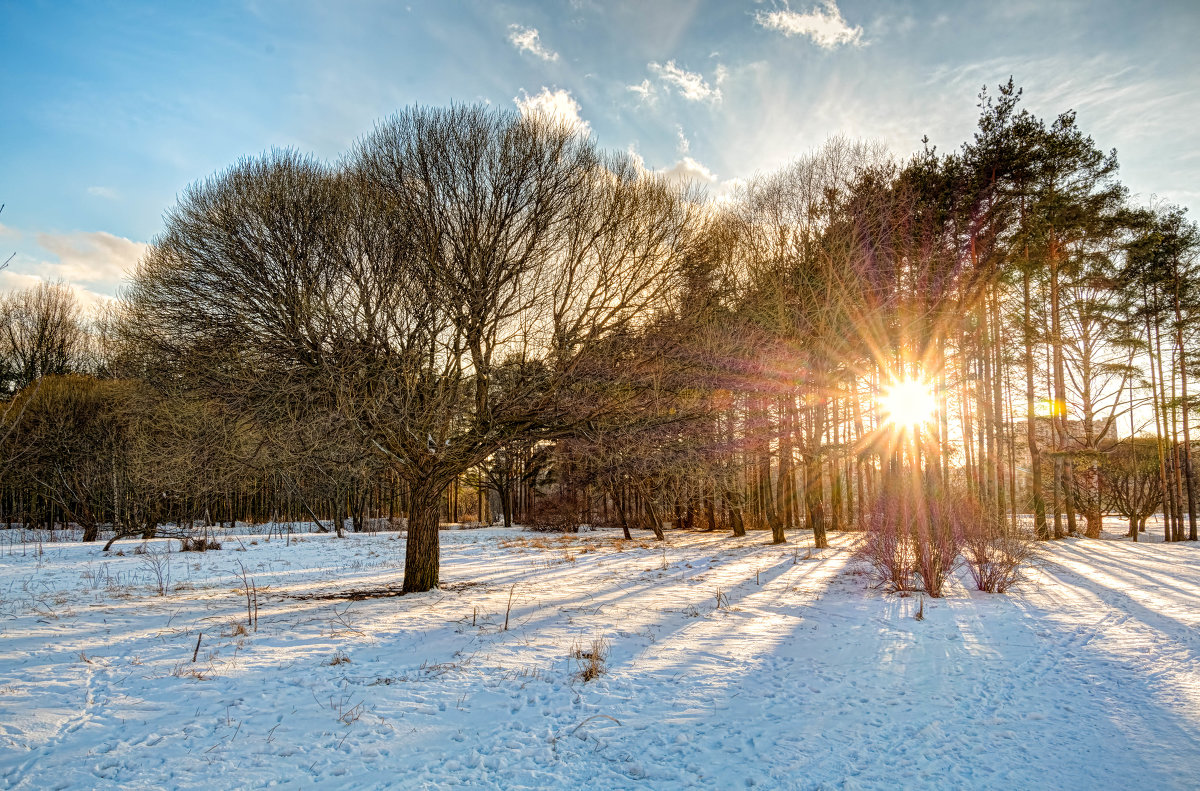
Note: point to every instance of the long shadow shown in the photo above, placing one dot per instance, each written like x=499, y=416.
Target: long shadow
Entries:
x=1133, y=572
x=1165, y=624
x=883, y=706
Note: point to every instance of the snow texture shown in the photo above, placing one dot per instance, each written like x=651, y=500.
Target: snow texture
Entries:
x=731, y=664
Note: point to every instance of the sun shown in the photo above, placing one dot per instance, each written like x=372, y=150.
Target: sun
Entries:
x=909, y=402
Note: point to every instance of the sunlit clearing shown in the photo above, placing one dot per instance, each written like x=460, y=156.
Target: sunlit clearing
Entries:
x=908, y=403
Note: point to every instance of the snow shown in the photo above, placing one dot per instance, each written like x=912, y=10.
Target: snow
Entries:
x=799, y=674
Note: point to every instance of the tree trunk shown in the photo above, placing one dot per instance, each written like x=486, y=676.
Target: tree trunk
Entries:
x=655, y=519
x=813, y=500
x=623, y=519
x=422, y=553
x=735, y=516
x=1187, y=433
x=506, y=504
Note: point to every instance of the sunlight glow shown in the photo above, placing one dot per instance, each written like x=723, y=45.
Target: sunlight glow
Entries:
x=908, y=403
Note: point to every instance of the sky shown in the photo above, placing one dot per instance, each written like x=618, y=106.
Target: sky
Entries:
x=108, y=110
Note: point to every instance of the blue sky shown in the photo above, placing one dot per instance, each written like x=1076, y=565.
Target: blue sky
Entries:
x=110, y=109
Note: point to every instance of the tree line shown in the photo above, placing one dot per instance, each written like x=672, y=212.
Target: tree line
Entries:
x=474, y=315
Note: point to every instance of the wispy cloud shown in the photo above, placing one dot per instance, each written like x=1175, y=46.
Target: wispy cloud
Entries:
x=108, y=193
x=557, y=105
x=527, y=39
x=824, y=25
x=688, y=84
x=644, y=91
x=683, y=144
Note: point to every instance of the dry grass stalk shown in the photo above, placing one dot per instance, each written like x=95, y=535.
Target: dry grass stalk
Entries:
x=591, y=659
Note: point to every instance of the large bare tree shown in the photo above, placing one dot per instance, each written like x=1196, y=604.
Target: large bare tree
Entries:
x=440, y=289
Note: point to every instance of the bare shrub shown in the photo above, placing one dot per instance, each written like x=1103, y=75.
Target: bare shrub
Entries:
x=888, y=544
x=910, y=535
x=158, y=566
x=198, y=544
x=186, y=670
x=996, y=554
x=938, y=533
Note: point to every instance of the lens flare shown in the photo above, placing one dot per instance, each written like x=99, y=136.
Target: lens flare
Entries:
x=907, y=403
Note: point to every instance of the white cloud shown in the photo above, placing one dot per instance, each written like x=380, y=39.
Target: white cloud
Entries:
x=824, y=25
x=93, y=263
x=639, y=162
x=88, y=300
x=689, y=170
x=526, y=39
x=15, y=281
x=689, y=84
x=728, y=190
x=96, y=259
x=557, y=105
x=108, y=193
x=644, y=90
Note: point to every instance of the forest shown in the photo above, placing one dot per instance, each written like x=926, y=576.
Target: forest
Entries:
x=479, y=316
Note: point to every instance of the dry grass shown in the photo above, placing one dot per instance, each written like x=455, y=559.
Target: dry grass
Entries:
x=573, y=545
x=339, y=658
x=188, y=670
x=591, y=659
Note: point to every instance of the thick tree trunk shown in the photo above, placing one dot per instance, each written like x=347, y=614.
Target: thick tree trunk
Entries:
x=422, y=554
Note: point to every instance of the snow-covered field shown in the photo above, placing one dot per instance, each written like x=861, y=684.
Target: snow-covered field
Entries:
x=730, y=664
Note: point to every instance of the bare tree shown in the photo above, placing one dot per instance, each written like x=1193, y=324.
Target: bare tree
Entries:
x=439, y=290
x=1130, y=482
x=42, y=333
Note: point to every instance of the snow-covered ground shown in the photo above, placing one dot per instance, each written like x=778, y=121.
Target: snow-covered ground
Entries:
x=730, y=664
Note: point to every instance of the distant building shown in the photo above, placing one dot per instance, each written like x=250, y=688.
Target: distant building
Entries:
x=1045, y=431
